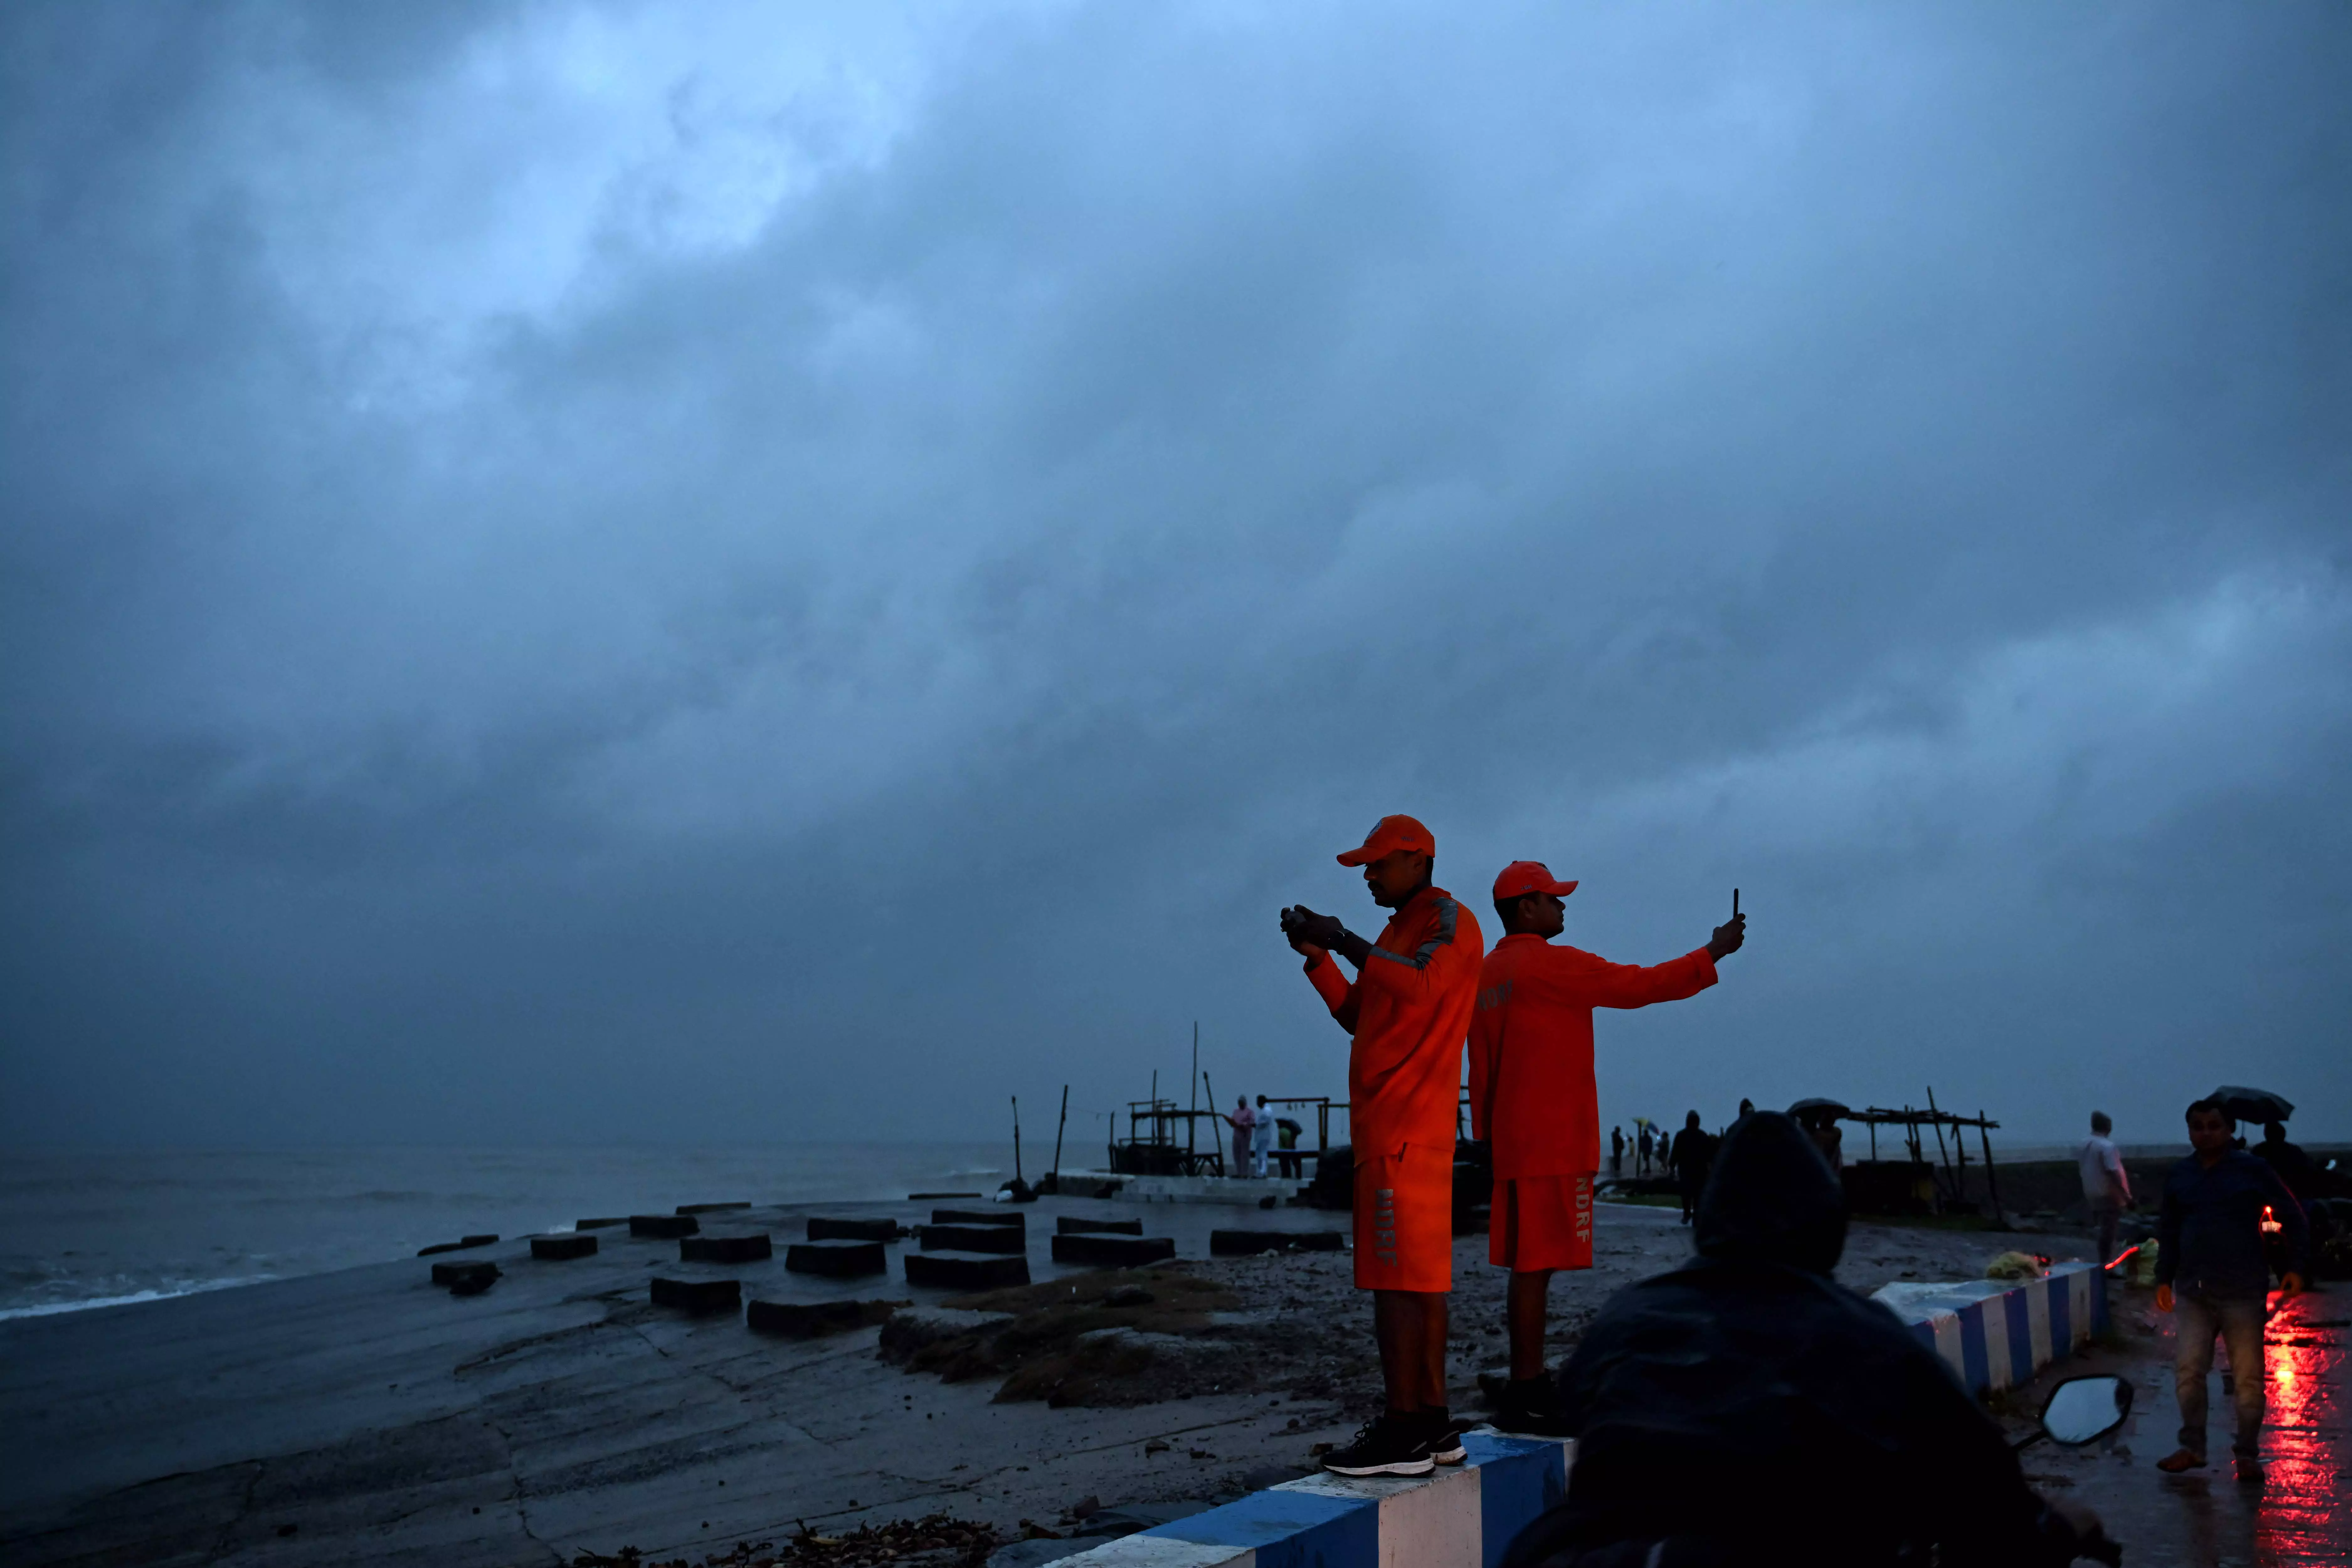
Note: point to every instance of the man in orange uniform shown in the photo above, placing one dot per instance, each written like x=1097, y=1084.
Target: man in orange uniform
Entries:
x=1409, y=1009
x=1531, y=1097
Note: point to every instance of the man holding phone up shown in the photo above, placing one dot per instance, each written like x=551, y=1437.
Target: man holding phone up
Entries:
x=1407, y=1011
x=1532, y=1098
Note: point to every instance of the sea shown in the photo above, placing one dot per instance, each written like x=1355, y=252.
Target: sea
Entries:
x=84, y=1230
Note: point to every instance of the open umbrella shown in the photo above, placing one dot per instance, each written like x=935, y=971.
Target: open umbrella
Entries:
x=1817, y=1109
x=2252, y=1104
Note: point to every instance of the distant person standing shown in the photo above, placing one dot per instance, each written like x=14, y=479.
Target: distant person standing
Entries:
x=2211, y=1275
x=1261, y=1136
x=1644, y=1149
x=2106, y=1185
x=1616, y=1151
x=1532, y=1096
x=1244, y=1122
x=2293, y=1165
x=1286, y=1158
x=1693, y=1155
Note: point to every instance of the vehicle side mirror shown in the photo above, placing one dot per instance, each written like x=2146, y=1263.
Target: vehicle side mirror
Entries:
x=2082, y=1409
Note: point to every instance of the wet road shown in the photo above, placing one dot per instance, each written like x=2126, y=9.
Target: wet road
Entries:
x=2301, y=1514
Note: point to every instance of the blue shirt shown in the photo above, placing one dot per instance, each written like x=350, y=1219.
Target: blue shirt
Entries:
x=2210, y=1234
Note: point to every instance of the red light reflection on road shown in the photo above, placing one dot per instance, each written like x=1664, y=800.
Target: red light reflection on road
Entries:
x=2304, y=1515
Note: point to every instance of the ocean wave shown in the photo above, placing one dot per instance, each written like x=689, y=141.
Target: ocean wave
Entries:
x=51, y=1309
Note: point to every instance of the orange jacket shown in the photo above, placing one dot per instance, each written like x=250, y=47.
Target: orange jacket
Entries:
x=1531, y=1090
x=1409, y=1010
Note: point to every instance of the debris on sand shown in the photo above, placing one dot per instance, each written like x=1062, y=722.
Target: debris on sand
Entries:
x=1118, y=1337
x=935, y=1540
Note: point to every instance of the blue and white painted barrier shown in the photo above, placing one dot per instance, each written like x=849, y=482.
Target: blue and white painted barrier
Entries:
x=1997, y=1333
x=1454, y=1518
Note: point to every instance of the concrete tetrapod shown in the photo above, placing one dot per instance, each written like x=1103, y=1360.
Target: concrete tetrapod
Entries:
x=1112, y=1251
x=466, y=1279
x=837, y=1259
x=966, y=1270
x=724, y=1249
x=821, y=1229
x=973, y=1238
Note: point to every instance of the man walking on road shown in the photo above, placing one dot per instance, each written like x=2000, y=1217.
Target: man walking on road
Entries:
x=1408, y=1010
x=1532, y=1095
x=1616, y=1151
x=2211, y=1275
x=1693, y=1157
x=2106, y=1185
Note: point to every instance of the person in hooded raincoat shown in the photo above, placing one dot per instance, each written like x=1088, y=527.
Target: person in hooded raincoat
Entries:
x=1747, y=1408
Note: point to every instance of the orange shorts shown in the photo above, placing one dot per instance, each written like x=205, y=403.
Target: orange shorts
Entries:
x=1404, y=1220
x=1542, y=1221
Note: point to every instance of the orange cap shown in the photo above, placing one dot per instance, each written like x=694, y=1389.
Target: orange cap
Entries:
x=1523, y=877
x=1388, y=836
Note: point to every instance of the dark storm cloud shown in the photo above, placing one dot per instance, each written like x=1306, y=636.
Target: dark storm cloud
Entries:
x=575, y=573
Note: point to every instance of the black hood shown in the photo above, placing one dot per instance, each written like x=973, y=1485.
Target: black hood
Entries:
x=1772, y=1198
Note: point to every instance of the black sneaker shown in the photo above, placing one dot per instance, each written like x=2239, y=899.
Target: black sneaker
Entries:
x=1387, y=1446
x=1531, y=1408
x=1444, y=1435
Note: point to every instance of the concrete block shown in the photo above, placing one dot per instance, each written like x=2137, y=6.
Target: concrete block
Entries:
x=604, y=1223
x=724, y=1249
x=466, y=1279
x=1070, y=1225
x=458, y=1246
x=1012, y=1218
x=557, y=1248
x=812, y=1319
x=966, y=1270
x=1248, y=1243
x=823, y=1229
x=1112, y=1251
x=973, y=1238
x=1998, y=1334
x=699, y=1295
x=663, y=1226
x=838, y=1259
x=710, y=1208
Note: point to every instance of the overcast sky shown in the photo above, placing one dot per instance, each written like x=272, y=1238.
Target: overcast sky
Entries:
x=725, y=573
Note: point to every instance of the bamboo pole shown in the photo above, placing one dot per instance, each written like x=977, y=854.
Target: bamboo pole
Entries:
x=1058, y=1126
